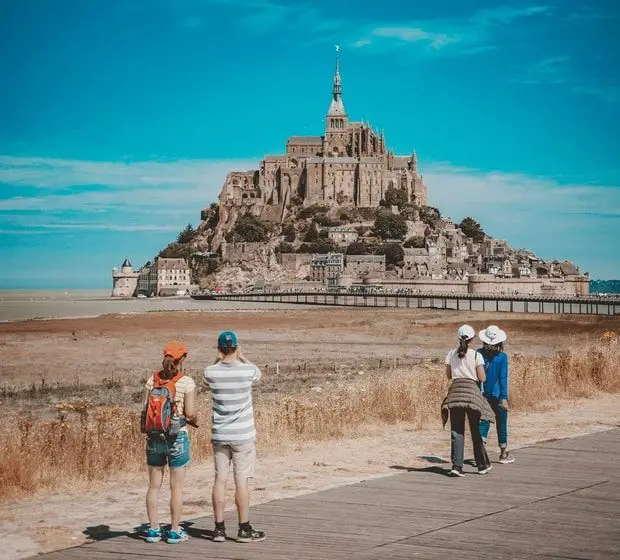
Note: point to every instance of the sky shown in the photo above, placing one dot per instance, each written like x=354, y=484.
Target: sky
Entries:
x=119, y=119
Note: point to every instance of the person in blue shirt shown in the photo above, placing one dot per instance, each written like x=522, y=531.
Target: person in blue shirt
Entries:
x=495, y=386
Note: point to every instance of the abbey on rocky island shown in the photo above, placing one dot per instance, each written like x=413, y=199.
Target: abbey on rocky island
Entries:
x=349, y=165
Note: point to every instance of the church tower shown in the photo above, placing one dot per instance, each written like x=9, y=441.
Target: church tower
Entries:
x=336, y=132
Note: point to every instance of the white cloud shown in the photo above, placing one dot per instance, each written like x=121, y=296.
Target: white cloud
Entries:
x=448, y=36
x=550, y=70
x=554, y=219
x=59, y=173
x=573, y=221
x=44, y=228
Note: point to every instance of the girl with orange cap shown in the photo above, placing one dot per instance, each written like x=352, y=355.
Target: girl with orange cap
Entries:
x=171, y=446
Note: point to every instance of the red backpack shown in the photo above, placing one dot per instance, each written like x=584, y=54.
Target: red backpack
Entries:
x=159, y=418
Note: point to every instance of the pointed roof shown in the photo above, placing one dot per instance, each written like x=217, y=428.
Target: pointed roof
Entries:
x=126, y=263
x=336, y=107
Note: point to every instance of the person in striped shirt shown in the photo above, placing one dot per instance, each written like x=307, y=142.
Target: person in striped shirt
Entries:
x=233, y=434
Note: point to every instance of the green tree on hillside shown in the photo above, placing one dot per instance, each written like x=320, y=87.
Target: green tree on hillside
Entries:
x=390, y=226
x=430, y=215
x=250, y=228
x=187, y=234
x=394, y=253
x=472, y=229
x=357, y=248
x=396, y=197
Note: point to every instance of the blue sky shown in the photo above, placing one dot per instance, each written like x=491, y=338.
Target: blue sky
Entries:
x=120, y=118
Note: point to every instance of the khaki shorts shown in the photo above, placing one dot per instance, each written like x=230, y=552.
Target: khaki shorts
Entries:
x=243, y=458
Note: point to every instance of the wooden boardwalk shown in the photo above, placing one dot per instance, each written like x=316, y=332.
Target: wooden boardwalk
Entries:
x=560, y=499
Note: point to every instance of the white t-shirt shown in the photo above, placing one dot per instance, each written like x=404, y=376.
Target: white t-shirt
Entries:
x=465, y=367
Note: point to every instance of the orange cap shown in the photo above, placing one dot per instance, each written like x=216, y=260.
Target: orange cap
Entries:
x=175, y=349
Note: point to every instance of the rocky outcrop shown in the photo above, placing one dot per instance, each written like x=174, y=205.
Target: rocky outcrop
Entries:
x=243, y=267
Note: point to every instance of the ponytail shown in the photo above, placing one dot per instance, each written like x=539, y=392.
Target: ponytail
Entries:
x=169, y=367
x=463, y=347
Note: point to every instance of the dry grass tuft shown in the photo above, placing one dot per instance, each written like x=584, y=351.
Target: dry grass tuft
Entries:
x=87, y=442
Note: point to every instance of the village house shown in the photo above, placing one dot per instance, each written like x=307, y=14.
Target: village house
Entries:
x=165, y=277
x=358, y=266
x=342, y=235
x=327, y=268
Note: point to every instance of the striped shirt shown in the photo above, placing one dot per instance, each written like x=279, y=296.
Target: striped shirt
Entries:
x=233, y=415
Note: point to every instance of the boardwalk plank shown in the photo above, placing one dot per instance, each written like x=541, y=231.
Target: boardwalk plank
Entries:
x=559, y=500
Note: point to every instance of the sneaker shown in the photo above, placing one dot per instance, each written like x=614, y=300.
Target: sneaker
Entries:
x=250, y=535
x=485, y=470
x=506, y=458
x=153, y=535
x=176, y=537
x=219, y=535
x=456, y=471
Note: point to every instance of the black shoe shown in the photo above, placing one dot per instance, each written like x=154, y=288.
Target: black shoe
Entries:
x=249, y=535
x=457, y=471
x=219, y=535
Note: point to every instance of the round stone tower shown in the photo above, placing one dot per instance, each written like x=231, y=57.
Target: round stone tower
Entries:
x=124, y=281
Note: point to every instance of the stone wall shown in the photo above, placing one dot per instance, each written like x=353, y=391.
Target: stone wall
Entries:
x=293, y=261
x=240, y=251
x=428, y=286
x=487, y=284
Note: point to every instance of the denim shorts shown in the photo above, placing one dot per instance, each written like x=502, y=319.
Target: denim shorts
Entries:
x=171, y=452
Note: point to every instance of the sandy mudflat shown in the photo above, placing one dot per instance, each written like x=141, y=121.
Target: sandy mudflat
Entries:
x=20, y=306
x=128, y=346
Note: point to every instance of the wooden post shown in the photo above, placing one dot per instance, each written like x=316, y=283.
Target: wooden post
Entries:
x=277, y=368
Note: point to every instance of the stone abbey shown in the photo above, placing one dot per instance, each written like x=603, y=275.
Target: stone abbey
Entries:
x=349, y=165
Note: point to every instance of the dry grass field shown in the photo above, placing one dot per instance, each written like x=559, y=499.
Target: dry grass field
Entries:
x=62, y=432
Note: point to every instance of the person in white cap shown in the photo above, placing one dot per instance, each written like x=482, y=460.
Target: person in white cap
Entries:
x=465, y=369
x=495, y=387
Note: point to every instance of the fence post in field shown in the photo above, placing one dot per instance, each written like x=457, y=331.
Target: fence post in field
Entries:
x=380, y=364
x=305, y=367
x=277, y=368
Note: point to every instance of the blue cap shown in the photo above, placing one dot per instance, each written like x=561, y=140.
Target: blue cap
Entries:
x=227, y=339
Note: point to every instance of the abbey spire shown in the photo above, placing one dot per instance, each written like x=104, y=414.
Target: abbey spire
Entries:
x=336, y=107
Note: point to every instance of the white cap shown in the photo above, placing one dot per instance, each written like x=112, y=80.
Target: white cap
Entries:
x=492, y=335
x=466, y=332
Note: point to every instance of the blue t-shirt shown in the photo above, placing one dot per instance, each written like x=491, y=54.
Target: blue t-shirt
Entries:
x=496, y=369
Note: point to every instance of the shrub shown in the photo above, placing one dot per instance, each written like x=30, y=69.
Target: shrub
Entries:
x=357, y=248
x=250, y=228
x=390, y=226
x=394, y=253
x=430, y=216
x=320, y=246
x=176, y=251
x=396, y=197
x=472, y=229
x=416, y=242
x=311, y=211
x=289, y=233
x=285, y=247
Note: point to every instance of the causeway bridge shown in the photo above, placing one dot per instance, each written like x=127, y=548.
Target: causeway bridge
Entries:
x=562, y=305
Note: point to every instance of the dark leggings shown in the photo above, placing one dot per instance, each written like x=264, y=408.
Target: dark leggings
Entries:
x=457, y=427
